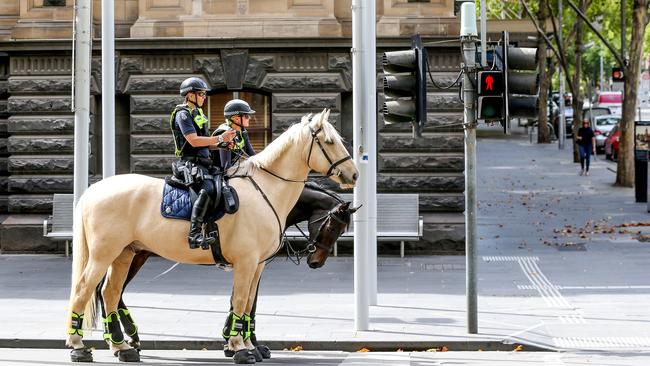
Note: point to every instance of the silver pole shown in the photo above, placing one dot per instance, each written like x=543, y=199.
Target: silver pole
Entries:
x=108, y=88
x=370, y=75
x=83, y=48
x=484, y=34
x=360, y=129
x=469, y=96
x=562, y=125
x=602, y=73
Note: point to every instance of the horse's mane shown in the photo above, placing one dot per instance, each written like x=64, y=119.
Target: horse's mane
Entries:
x=279, y=146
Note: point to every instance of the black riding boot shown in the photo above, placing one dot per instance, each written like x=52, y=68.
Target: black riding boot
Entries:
x=195, y=237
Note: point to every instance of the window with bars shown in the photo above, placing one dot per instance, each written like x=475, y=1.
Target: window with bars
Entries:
x=259, y=130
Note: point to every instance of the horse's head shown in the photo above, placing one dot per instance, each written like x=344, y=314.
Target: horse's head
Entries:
x=326, y=153
x=333, y=226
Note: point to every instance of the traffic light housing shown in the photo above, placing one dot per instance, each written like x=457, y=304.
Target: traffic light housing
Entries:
x=617, y=74
x=405, y=86
x=521, y=80
x=490, y=95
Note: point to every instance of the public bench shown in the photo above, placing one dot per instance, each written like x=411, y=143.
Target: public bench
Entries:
x=59, y=225
x=398, y=219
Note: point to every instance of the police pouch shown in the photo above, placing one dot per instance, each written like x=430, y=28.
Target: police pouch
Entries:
x=230, y=199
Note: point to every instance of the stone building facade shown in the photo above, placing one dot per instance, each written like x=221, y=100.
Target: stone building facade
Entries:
x=293, y=54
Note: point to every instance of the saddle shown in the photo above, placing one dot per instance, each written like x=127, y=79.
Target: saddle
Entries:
x=181, y=188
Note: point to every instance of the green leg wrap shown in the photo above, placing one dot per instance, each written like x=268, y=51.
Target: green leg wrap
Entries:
x=76, y=325
x=112, y=330
x=235, y=326
x=249, y=326
x=130, y=328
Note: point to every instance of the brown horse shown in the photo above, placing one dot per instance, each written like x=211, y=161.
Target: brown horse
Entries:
x=119, y=216
x=327, y=216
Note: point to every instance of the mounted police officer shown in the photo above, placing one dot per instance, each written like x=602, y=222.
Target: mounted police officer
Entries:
x=238, y=114
x=193, y=142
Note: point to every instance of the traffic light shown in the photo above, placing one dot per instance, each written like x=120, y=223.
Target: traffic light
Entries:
x=405, y=86
x=490, y=95
x=521, y=80
x=617, y=74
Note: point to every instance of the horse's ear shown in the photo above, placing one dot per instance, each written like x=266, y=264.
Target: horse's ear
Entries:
x=326, y=116
x=345, y=206
x=354, y=209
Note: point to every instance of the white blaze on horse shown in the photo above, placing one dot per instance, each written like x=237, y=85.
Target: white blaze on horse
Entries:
x=120, y=215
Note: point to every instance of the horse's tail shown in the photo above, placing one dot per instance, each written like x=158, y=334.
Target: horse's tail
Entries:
x=80, y=254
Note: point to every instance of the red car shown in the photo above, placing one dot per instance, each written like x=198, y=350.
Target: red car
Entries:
x=611, y=143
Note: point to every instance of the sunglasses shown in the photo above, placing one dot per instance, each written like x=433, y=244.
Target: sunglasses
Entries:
x=201, y=94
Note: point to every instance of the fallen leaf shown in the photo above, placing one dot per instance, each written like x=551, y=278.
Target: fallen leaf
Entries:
x=297, y=348
x=444, y=349
x=518, y=348
x=432, y=350
x=364, y=349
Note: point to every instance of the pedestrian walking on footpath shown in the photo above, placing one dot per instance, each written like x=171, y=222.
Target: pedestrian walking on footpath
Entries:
x=586, y=140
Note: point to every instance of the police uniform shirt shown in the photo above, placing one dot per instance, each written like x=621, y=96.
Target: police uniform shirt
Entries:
x=187, y=126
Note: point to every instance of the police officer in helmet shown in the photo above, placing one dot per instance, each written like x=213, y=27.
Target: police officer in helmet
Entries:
x=193, y=142
x=238, y=114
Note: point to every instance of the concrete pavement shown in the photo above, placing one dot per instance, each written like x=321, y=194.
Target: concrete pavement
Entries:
x=557, y=271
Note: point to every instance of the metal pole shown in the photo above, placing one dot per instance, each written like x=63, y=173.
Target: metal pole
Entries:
x=83, y=49
x=360, y=129
x=562, y=125
x=623, y=30
x=602, y=72
x=484, y=34
x=108, y=88
x=370, y=75
x=469, y=95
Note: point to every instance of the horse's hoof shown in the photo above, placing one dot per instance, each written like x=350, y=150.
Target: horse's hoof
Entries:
x=81, y=355
x=227, y=351
x=128, y=355
x=136, y=345
x=264, y=351
x=244, y=356
x=257, y=354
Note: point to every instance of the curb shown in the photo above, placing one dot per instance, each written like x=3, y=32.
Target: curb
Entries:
x=345, y=346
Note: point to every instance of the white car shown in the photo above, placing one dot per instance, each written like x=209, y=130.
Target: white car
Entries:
x=603, y=125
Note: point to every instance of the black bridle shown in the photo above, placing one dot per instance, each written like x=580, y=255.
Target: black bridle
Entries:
x=333, y=165
x=314, y=243
x=314, y=137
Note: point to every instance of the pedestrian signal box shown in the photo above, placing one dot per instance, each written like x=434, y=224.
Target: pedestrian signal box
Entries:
x=490, y=95
x=617, y=74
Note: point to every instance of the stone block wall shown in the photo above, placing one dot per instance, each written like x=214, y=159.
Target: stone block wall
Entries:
x=4, y=135
x=40, y=126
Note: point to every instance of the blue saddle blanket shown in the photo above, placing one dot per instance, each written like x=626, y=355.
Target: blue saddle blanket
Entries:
x=177, y=204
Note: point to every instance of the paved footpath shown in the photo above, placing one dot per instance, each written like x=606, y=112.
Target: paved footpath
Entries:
x=557, y=271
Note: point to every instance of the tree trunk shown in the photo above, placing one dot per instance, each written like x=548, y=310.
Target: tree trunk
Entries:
x=625, y=171
x=543, y=136
x=577, y=94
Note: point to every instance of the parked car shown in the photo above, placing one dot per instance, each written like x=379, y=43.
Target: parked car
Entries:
x=586, y=113
x=610, y=99
x=612, y=143
x=602, y=126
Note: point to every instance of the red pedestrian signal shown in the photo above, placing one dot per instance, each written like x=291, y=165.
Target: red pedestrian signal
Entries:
x=490, y=95
x=489, y=80
x=490, y=83
x=617, y=74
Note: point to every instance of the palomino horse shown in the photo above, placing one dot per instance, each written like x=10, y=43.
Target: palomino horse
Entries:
x=328, y=217
x=119, y=216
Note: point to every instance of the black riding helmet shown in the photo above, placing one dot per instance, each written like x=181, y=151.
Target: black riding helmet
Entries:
x=235, y=107
x=193, y=84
